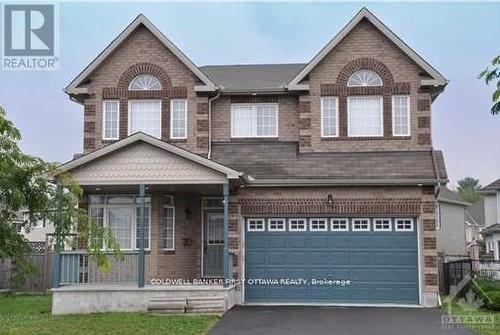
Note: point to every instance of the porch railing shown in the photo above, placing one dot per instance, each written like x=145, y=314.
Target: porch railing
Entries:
x=80, y=268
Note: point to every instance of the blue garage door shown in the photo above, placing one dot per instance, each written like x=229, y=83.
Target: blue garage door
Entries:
x=331, y=260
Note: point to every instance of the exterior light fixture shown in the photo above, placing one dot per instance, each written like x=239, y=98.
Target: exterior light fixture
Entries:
x=329, y=199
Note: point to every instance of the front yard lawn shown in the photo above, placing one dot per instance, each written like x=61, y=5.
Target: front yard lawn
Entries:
x=26, y=314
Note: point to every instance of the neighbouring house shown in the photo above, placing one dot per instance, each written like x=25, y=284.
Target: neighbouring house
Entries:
x=491, y=232
x=451, y=224
x=37, y=233
x=474, y=220
x=272, y=173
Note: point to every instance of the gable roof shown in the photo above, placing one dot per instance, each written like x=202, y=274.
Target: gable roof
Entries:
x=72, y=88
x=364, y=13
x=252, y=77
x=281, y=163
x=451, y=197
x=475, y=213
x=138, y=137
x=491, y=188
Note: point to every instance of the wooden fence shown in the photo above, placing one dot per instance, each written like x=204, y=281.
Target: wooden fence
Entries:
x=41, y=281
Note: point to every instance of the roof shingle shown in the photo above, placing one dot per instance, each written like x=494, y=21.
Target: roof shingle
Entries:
x=260, y=77
x=281, y=160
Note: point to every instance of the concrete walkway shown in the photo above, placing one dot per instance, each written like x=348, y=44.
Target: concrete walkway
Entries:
x=298, y=320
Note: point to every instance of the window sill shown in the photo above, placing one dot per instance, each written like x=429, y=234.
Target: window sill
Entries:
x=177, y=140
x=253, y=139
x=367, y=138
x=168, y=252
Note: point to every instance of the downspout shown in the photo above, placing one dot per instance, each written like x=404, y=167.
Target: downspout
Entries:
x=217, y=96
x=436, y=172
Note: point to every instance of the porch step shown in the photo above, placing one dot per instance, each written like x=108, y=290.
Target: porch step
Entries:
x=205, y=305
x=183, y=305
x=167, y=305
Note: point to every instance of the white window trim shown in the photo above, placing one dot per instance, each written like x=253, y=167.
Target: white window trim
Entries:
x=283, y=221
x=382, y=229
x=304, y=221
x=404, y=229
x=104, y=120
x=129, y=123
x=336, y=117
x=143, y=74
x=262, y=221
x=254, y=126
x=105, y=222
x=346, y=221
x=361, y=229
x=172, y=119
x=173, y=229
x=325, y=221
x=376, y=74
x=408, y=115
x=381, y=101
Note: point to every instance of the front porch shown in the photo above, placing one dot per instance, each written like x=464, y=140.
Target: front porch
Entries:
x=168, y=210
x=86, y=299
x=162, y=266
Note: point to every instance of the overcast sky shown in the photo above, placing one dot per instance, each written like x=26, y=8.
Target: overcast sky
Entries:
x=459, y=39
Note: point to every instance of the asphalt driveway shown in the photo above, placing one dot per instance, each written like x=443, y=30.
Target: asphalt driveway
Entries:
x=299, y=320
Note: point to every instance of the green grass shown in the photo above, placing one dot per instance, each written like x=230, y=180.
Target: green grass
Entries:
x=31, y=315
x=456, y=310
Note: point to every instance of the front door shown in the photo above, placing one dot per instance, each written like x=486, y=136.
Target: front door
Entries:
x=213, y=244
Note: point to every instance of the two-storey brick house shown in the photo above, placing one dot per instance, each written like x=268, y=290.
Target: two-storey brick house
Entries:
x=323, y=170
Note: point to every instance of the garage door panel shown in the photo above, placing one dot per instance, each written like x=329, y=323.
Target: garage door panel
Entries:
x=255, y=258
x=382, y=241
x=255, y=241
x=405, y=258
x=404, y=241
x=276, y=258
x=297, y=240
x=361, y=240
x=339, y=258
x=276, y=241
x=316, y=258
x=361, y=258
x=297, y=258
x=339, y=240
x=383, y=258
x=381, y=266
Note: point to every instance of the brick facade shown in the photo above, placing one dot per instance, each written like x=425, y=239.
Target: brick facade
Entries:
x=141, y=53
x=299, y=120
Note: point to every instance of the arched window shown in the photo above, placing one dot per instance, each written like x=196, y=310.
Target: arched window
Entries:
x=144, y=82
x=364, y=78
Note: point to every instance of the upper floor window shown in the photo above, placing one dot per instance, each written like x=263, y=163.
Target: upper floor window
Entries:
x=364, y=78
x=110, y=122
x=401, y=115
x=329, y=117
x=144, y=82
x=365, y=116
x=178, y=118
x=145, y=116
x=254, y=120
